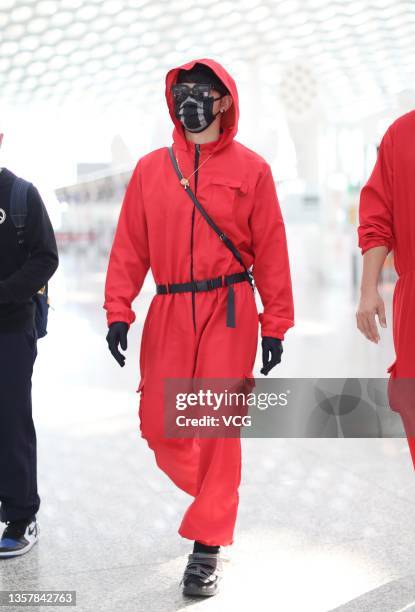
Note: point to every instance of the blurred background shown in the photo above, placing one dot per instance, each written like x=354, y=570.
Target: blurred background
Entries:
x=81, y=99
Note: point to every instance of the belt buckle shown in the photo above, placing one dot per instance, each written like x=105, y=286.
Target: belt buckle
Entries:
x=209, y=284
x=200, y=285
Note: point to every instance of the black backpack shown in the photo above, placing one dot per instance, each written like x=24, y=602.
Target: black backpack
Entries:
x=18, y=214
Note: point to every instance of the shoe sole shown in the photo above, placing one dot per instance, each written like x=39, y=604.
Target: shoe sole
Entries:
x=193, y=591
x=18, y=553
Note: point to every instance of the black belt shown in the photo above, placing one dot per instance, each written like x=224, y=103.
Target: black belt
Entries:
x=208, y=285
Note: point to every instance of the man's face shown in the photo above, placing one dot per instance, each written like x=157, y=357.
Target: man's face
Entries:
x=198, y=105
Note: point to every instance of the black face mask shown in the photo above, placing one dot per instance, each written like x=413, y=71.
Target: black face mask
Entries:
x=194, y=107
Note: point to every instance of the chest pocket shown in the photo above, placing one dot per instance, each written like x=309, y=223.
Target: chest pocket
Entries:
x=224, y=198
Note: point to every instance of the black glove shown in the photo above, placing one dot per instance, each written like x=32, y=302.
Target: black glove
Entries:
x=117, y=335
x=273, y=346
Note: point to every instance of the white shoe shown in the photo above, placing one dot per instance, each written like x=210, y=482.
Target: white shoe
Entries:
x=18, y=538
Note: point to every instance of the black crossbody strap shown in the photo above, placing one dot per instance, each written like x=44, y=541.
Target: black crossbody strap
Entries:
x=226, y=241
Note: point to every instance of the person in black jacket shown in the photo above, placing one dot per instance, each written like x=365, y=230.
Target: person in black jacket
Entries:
x=23, y=271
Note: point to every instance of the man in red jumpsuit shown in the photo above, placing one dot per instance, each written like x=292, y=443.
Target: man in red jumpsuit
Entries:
x=387, y=222
x=201, y=330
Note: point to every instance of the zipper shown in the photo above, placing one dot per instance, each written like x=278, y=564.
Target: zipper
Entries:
x=197, y=155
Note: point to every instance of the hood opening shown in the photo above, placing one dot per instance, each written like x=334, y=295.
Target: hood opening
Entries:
x=229, y=120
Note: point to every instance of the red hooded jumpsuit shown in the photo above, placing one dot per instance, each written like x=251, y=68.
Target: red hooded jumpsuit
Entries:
x=185, y=334
x=387, y=217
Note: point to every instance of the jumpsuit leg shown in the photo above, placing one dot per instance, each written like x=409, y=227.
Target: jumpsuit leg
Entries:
x=207, y=468
x=409, y=432
x=167, y=351
x=223, y=352
x=411, y=444
x=407, y=417
x=18, y=478
x=178, y=458
x=400, y=392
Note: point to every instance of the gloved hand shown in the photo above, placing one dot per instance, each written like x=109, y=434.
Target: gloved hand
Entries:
x=117, y=335
x=273, y=346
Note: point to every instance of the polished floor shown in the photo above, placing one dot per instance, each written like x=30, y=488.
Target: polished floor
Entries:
x=324, y=525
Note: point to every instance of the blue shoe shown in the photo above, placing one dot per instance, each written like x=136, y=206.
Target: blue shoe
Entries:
x=18, y=538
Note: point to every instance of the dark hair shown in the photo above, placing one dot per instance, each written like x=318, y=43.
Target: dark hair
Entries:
x=202, y=74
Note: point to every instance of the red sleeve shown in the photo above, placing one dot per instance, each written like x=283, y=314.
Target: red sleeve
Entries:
x=271, y=265
x=375, y=209
x=129, y=258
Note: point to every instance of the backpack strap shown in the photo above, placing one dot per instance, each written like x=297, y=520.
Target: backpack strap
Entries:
x=18, y=212
x=18, y=207
x=226, y=241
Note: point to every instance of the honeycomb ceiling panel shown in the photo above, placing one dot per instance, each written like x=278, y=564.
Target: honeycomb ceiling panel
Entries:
x=54, y=49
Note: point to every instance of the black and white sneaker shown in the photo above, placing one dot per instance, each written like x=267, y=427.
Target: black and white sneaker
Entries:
x=202, y=574
x=18, y=538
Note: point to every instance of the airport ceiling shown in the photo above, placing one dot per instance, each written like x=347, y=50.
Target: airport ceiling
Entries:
x=120, y=50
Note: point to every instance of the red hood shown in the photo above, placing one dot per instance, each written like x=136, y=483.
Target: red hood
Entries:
x=229, y=120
